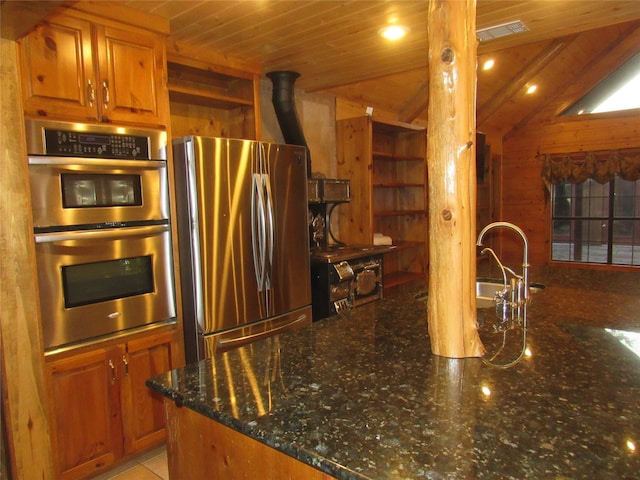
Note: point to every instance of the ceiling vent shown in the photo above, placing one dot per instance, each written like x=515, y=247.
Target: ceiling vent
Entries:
x=502, y=30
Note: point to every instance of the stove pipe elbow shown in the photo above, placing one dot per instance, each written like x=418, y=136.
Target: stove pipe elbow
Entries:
x=283, y=100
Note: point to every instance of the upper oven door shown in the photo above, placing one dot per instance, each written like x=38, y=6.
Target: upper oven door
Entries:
x=70, y=191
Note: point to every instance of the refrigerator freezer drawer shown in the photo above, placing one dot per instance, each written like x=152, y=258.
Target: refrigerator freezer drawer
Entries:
x=221, y=342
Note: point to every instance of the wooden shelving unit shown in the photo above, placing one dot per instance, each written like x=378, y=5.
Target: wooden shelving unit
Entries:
x=212, y=100
x=386, y=164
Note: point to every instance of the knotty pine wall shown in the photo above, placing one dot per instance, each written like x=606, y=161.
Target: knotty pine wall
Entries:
x=525, y=200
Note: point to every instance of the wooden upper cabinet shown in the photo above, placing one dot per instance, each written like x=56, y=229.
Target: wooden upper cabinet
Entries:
x=131, y=67
x=75, y=67
x=57, y=69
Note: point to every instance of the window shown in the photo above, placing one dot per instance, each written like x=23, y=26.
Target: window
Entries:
x=596, y=223
x=618, y=91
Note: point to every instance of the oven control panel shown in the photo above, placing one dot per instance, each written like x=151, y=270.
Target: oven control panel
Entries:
x=96, y=145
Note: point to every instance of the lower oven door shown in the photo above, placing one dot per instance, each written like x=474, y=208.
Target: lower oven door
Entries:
x=98, y=282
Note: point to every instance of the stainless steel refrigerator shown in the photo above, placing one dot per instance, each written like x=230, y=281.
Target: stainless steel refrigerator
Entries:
x=243, y=241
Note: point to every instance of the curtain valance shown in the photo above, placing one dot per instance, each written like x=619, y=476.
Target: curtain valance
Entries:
x=601, y=166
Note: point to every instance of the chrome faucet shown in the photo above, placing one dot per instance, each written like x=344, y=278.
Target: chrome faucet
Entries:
x=499, y=297
x=522, y=280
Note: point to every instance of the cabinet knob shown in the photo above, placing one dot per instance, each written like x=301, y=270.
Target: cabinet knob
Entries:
x=126, y=365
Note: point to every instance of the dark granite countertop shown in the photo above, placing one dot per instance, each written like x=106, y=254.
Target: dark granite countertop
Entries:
x=361, y=396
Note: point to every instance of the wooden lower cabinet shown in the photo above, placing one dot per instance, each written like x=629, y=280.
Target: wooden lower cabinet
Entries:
x=199, y=448
x=101, y=409
x=144, y=410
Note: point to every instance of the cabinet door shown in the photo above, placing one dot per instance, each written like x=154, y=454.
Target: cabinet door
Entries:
x=143, y=409
x=86, y=421
x=57, y=69
x=132, y=88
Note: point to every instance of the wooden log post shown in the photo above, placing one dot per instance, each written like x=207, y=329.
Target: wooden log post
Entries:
x=22, y=380
x=451, y=313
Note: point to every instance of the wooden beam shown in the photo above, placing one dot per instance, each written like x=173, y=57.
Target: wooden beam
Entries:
x=492, y=105
x=23, y=384
x=451, y=311
x=574, y=87
x=414, y=107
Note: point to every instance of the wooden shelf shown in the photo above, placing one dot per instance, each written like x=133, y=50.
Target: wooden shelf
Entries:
x=212, y=100
x=386, y=163
x=397, y=185
x=396, y=157
x=192, y=95
x=399, y=213
x=405, y=245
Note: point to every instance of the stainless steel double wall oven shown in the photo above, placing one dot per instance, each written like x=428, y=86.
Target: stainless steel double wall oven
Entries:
x=101, y=224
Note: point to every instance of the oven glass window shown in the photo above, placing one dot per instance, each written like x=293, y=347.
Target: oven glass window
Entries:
x=95, y=190
x=89, y=283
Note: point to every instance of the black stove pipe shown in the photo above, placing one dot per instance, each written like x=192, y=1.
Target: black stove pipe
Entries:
x=285, y=108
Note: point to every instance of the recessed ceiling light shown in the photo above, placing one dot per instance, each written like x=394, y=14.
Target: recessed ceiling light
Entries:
x=488, y=65
x=532, y=89
x=393, y=32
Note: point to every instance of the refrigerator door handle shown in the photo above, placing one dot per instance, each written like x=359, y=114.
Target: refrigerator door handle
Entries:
x=270, y=233
x=224, y=345
x=258, y=230
x=194, y=225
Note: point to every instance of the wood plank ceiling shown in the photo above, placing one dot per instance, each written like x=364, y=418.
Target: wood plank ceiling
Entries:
x=568, y=47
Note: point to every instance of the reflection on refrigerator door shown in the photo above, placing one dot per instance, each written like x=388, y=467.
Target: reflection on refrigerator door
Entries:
x=243, y=237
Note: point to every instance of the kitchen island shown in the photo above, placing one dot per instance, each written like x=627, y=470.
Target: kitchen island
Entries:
x=360, y=396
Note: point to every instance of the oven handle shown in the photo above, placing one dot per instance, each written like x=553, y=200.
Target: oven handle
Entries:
x=96, y=162
x=123, y=232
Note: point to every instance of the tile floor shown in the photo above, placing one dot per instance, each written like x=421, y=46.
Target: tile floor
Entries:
x=150, y=466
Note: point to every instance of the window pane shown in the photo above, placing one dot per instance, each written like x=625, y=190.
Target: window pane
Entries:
x=562, y=200
x=591, y=241
x=595, y=199
x=584, y=229
x=626, y=200
x=626, y=242
x=561, y=246
x=579, y=240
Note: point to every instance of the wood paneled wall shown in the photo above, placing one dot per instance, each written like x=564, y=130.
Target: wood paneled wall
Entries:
x=525, y=200
x=317, y=115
